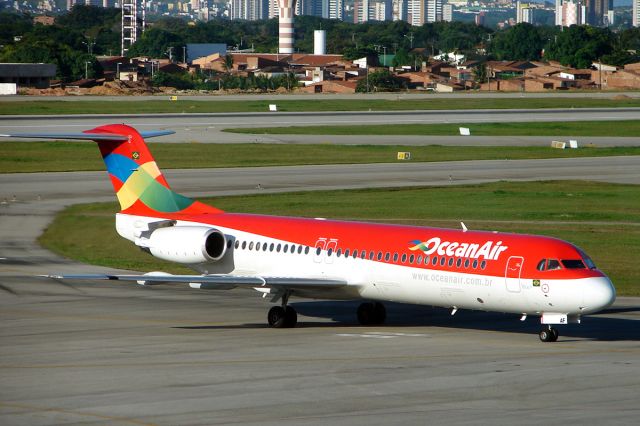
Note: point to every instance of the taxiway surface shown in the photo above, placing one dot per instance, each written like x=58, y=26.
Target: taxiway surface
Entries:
x=207, y=128
x=105, y=354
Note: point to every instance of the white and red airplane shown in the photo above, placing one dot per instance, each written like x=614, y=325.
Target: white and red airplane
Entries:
x=282, y=257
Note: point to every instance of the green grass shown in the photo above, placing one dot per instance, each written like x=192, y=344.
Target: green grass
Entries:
x=624, y=128
x=602, y=218
x=68, y=156
x=430, y=102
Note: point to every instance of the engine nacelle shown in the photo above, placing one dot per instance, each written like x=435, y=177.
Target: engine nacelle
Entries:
x=186, y=244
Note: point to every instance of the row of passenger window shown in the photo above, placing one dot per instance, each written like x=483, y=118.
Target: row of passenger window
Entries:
x=362, y=254
x=269, y=247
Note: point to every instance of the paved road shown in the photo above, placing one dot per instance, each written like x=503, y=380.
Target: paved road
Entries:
x=207, y=128
x=106, y=353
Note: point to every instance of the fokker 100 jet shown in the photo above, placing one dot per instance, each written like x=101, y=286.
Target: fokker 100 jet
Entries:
x=282, y=257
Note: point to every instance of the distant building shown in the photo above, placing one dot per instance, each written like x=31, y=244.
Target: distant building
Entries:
x=447, y=12
x=199, y=50
x=524, y=13
x=28, y=75
x=250, y=10
x=636, y=13
x=420, y=12
x=44, y=20
x=399, y=10
x=571, y=12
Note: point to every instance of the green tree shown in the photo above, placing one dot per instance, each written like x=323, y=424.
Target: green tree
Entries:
x=12, y=25
x=228, y=63
x=380, y=81
x=156, y=42
x=401, y=58
x=519, y=43
x=580, y=46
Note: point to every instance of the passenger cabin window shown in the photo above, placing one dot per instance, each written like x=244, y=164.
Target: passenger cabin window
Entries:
x=573, y=264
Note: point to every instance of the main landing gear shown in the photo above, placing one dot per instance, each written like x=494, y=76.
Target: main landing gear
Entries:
x=283, y=316
x=372, y=313
x=548, y=334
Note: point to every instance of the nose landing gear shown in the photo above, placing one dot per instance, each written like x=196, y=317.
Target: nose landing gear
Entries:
x=548, y=334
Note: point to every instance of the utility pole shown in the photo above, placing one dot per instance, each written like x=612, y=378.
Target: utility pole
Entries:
x=86, y=70
x=184, y=54
x=410, y=37
x=384, y=58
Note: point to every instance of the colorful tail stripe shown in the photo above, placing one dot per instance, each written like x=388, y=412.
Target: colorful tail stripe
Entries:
x=135, y=175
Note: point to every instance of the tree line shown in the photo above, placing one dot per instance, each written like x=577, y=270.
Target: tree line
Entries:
x=86, y=31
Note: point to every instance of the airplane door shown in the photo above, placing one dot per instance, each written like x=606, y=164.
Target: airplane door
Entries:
x=512, y=273
x=331, y=250
x=320, y=244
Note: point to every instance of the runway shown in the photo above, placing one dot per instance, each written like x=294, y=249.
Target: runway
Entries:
x=207, y=128
x=104, y=354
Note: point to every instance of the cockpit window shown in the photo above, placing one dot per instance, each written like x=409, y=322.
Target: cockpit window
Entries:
x=573, y=264
x=587, y=260
x=542, y=265
x=553, y=264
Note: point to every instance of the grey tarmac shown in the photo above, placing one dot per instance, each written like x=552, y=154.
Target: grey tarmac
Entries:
x=208, y=128
x=105, y=354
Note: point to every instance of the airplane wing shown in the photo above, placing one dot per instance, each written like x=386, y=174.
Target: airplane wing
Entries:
x=213, y=282
x=87, y=136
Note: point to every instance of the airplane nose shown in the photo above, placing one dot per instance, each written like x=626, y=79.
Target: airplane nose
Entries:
x=598, y=294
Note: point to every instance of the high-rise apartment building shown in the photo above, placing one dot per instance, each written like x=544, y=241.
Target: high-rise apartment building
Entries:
x=571, y=12
x=636, y=13
x=597, y=11
x=423, y=11
x=251, y=10
x=361, y=11
x=524, y=13
x=447, y=12
x=399, y=10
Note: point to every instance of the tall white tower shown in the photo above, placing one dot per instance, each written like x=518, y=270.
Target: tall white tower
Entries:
x=129, y=24
x=636, y=13
x=285, y=25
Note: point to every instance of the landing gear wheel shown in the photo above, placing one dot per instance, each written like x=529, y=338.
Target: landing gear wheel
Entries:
x=290, y=317
x=279, y=317
x=276, y=317
x=371, y=313
x=549, y=334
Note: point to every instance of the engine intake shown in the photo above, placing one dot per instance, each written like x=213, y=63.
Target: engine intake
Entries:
x=187, y=244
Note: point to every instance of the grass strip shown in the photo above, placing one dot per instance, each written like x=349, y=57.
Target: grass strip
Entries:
x=601, y=218
x=613, y=128
x=429, y=102
x=27, y=157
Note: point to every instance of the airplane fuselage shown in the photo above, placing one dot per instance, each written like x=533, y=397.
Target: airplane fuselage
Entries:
x=431, y=266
